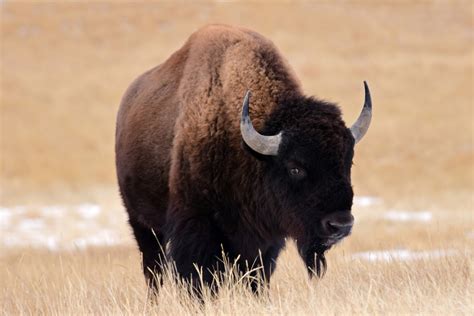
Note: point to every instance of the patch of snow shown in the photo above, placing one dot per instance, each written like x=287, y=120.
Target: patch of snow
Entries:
x=5, y=216
x=402, y=255
x=13, y=241
x=39, y=241
x=51, y=242
x=18, y=210
x=407, y=216
x=29, y=224
x=88, y=211
x=366, y=201
x=45, y=241
x=53, y=211
x=104, y=237
x=45, y=230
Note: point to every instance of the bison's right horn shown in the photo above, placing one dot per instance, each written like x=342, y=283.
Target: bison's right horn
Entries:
x=265, y=145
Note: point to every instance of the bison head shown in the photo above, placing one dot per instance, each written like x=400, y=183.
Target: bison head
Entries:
x=307, y=162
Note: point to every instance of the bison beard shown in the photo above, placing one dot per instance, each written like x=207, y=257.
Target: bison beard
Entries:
x=314, y=257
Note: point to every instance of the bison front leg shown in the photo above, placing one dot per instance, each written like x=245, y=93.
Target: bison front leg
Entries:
x=267, y=259
x=270, y=258
x=196, y=248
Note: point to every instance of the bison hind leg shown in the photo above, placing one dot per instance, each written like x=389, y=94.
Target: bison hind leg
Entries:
x=150, y=243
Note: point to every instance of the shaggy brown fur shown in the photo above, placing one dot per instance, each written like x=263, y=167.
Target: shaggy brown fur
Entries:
x=185, y=174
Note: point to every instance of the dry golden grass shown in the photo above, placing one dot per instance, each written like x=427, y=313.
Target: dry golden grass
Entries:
x=64, y=67
x=108, y=281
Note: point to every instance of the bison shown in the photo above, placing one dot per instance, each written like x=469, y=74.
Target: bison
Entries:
x=203, y=176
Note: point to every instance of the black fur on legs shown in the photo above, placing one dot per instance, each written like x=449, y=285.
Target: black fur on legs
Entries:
x=151, y=246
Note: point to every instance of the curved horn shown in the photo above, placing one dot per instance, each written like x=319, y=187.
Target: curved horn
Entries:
x=265, y=145
x=362, y=124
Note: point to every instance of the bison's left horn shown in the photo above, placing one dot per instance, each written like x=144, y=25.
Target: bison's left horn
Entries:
x=362, y=124
x=265, y=145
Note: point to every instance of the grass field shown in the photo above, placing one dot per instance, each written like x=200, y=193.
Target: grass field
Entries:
x=64, y=67
x=108, y=281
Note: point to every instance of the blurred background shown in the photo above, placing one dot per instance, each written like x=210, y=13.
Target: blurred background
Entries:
x=65, y=66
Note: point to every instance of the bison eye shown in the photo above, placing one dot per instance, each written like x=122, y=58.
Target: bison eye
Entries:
x=296, y=173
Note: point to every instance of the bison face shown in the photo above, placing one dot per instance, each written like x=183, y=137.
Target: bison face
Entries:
x=308, y=172
x=311, y=177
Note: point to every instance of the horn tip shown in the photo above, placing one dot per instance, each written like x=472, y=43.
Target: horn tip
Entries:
x=366, y=86
x=368, y=99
